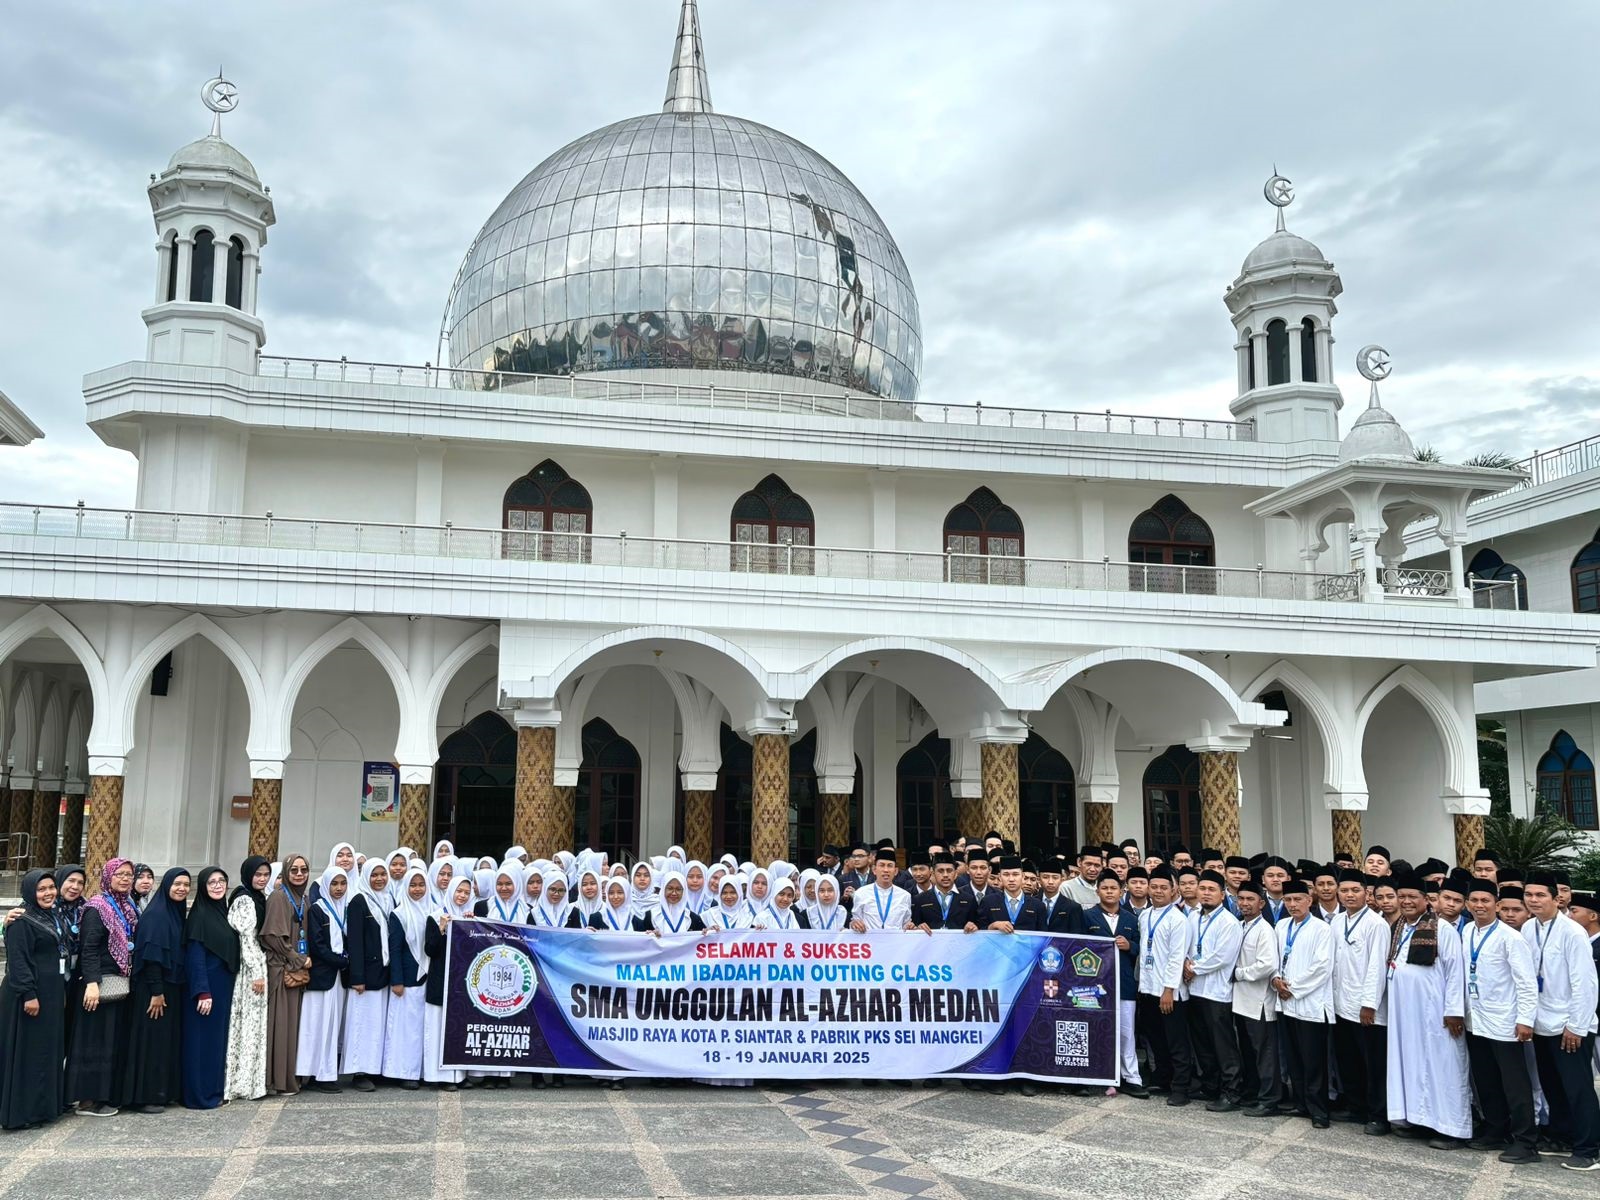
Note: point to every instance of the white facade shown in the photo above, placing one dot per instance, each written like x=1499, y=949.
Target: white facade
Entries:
x=321, y=547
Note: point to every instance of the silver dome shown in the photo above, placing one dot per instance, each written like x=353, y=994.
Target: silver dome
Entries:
x=689, y=239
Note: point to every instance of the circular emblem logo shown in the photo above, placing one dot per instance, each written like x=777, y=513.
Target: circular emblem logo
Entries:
x=1050, y=961
x=501, y=981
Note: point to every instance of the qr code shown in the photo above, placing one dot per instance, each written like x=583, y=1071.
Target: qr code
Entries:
x=1072, y=1039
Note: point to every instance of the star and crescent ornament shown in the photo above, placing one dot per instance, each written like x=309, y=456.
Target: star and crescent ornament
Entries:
x=1373, y=363
x=1278, y=191
x=219, y=94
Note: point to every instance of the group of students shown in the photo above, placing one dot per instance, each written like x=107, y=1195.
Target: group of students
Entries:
x=1452, y=1006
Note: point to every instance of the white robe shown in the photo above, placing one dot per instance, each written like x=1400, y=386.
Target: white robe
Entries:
x=433, y=1046
x=365, y=1021
x=1428, y=1067
x=402, y=1035
x=321, y=1021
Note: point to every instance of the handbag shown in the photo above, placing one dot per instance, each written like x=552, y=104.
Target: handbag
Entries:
x=113, y=987
x=296, y=977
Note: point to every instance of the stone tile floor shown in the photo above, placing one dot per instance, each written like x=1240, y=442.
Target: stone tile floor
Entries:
x=689, y=1141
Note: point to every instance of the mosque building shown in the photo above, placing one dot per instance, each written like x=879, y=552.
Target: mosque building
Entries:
x=671, y=548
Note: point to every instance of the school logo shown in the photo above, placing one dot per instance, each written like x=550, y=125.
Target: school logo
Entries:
x=501, y=982
x=1086, y=997
x=1050, y=961
x=1086, y=963
x=1052, y=989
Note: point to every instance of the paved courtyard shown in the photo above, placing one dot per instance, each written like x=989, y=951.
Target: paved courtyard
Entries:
x=759, y=1143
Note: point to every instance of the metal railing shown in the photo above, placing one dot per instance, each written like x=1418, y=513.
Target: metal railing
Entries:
x=625, y=386
x=1416, y=581
x=1504, y=594
x=1549, y=465
x=673, y=554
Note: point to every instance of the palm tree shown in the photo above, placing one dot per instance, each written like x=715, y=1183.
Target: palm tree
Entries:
x=1540, y=843
x=1498, y=459
x=1493, y=771
x=1428, y=454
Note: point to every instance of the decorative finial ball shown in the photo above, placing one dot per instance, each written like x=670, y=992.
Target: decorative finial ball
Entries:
x=1373, y=363
x=219, y=95
x=1279, y=192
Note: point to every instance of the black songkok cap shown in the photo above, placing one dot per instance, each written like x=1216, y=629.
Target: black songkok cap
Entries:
x=1513, y=892
x=1485, y=856
x=1180, y=848
x=1585, y=900
x=1383, y=850
x=1180, y=872
x=1297, y=887
x=881, y=843
x=1432, y=866
x=1400, y=866
x=832, y=851
x=1010, y=862
x=1254, y=888
x=1054, y=866
x=1273, y=860
x=1351, y=875
x=1257, y=862
x=1236, y=862
x=944, y=860
x=977, y=854
x=884, y=854
x=1161, y=872
x=1321, y=869
x=1461, y=885
x=1090, y=852
x=1141, y=873
x=1430, y=887
x=995, y=834
x=1562, y=877
x=1482, y=885
x=1544, y=879
x=1029, y=867
x=854, y=846
x=918, y=858
x=1407, y=880
x=1509, y=874
x=1213, y=877
x=1207, y=854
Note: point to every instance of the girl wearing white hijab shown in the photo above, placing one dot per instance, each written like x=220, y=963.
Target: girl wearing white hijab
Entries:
x=483, y=881
x=343, y=855
x=642, y=893
x=714, y=878
x=694, y=885
x=440, y=873
x=553, y=910
x=617, y=916
x=322, y=1009
x=826, y=914
x=408, y=974
x=808, y=889
x=730, y=910
x=366, y=1009
x=588, y=900
x=504, y=901
x=676, y=852
x=532, y=887
x=457, y=904
x=782, y=912
x=756, y=896
x=399, y=863
x=519, y=853
x=673, y=914
x=272, y=880
x=443, y=848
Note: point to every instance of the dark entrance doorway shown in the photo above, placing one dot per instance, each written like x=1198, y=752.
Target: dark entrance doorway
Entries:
x=474, y=788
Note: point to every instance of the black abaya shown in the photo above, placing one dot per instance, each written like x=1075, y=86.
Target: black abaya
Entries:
x=32, y=1047
x=99, y=1038
x=153, y=1073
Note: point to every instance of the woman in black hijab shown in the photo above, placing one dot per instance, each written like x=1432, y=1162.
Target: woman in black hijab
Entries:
x=211, y=963
x=32, y=999
x=71, y=883
x=152, y=1076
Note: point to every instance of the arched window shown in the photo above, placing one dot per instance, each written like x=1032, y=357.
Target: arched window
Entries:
x=172, y=267
x=606, y=800
x=769, y=524
x=474, y=789
x=1277, y=352
x=1173, y=542
x=928, y=812
x=545, y=514
x=234, y=292
x=1488, y=568
x=1586, y=579
x=1172, y=801
x=1250, y=359
x=1308, y=350
x=202, y=264
x=1566, y=783
x=1045, y=790
x=980, y=528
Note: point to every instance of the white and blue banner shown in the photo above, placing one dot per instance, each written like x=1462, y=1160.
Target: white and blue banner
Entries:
x=770, y=1003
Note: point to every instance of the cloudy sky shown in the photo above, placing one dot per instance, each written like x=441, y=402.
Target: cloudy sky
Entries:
x=1073, y=184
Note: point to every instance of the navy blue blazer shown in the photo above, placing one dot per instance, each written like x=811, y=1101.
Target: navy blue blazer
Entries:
x=403, y=969
x=1030, y=917
x=925, y=910
x=363, y=944
x=327, y=968
x=1127, y=925
x=1065, y=917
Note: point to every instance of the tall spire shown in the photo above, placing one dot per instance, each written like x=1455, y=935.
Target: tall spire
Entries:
x=688, y=91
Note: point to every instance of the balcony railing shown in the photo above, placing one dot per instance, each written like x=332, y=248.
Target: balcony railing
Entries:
x=672, y=554
x=1416, y=581
x=1504, y=594
x=1550, y=465
x=633, y=388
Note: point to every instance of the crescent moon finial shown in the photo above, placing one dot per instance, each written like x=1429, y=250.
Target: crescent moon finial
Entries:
x=220, y=96
x=1279, y=193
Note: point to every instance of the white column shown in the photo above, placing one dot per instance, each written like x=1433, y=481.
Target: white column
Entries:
x=163, y=258
x=1296, y=372
x=1324, y=354
x=1258, y=353
x=219, y=270
x=1458, y=574
x=252, y=268
x=185, y=265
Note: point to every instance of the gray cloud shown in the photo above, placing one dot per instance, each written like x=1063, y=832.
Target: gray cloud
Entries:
x=1073, y=186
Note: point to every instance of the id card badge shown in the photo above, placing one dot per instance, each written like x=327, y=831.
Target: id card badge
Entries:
x=65, y=970
x=1472, y=989
x=300, y=946
x=1149, y=960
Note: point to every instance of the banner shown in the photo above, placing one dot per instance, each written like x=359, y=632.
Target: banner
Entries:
x=380, y=792
x=768, y=1003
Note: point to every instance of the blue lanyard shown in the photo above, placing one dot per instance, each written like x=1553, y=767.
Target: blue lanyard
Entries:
x=1155, y=923
x=1539, y=937
x=1288, y=942
x=785, y=921
x=1350, y=929
x=328, y=908
x=611, y=918
x=669, y=921
x=1012, y=910
x=1203, y=925
x=127, y=925
x=727, y=921
x=299, y=909
x=944, y=902
x=1400, y=950
x=500, y=908
x=1476, y=944
x=883, y=908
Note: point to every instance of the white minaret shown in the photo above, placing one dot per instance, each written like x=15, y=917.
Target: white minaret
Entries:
x=1282, y=308
x=211, y=215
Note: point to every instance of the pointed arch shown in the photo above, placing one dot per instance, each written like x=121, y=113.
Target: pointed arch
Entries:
x=1566, y=786
x=1440, y=711
x=1170, y=540
x=547, y=515
x=981, y=527
x=44, y=619
x=51, y=749
x=773, y=529
x=22, y=716
x=444, y=674
x=351, y=629
x=194, y=625
x=959, y=692
x=1339, y=775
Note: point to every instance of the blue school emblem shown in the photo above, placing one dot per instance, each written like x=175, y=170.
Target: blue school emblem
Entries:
x=1050, y=961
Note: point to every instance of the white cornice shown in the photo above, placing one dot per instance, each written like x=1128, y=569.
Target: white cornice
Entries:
x=15, y=428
